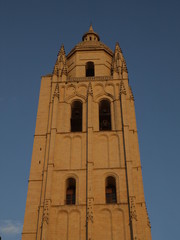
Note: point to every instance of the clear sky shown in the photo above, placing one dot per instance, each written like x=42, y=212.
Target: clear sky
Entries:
x=148, y=31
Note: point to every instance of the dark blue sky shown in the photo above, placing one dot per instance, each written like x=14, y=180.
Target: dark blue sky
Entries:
x=31, y=33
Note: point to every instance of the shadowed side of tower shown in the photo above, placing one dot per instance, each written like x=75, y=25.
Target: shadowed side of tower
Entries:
x=85, y=179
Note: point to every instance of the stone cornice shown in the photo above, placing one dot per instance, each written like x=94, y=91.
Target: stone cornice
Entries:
x=90, y=46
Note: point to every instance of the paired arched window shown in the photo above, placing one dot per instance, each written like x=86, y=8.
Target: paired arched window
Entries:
x=70, y=191
x=111, y=190
x=76, y=116
x=89, y=69
x=104, y=115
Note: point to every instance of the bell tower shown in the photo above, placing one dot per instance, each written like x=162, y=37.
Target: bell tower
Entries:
x=85, y=179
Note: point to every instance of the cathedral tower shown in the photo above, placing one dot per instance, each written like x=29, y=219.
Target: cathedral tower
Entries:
x=85, y=180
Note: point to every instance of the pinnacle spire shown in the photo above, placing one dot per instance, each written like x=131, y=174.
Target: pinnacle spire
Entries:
x=119, y=63
x=62, y=50
x=91, y=28
x=60, y=66
x=117, y=48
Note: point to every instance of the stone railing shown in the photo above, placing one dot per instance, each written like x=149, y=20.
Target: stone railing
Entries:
x=98, y=78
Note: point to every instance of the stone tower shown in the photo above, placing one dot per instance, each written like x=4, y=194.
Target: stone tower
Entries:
x=85, y=180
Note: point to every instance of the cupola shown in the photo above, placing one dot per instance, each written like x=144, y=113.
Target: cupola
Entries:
x=90, y=35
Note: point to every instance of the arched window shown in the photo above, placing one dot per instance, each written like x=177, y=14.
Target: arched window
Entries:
x=89, y=69
x=104, y=115
x=70, y=191
x=111, y=190
x=76, y=116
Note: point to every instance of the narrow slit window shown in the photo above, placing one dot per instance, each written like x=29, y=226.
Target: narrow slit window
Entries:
x=71, y=191
x=111, y=190
x=104, y=115
x=76, y=116
x=89, y=69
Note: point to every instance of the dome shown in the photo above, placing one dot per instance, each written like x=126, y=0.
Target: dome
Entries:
x=90, y=41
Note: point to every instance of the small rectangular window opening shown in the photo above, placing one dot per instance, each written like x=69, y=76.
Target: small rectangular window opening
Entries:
x=89, y=69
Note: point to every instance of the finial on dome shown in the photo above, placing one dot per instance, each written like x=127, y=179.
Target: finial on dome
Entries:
x=91, y=28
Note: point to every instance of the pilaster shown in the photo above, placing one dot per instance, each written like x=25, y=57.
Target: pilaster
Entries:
x=128, y=162
x=89, y=166
x=50, y=165
x=117, y=112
